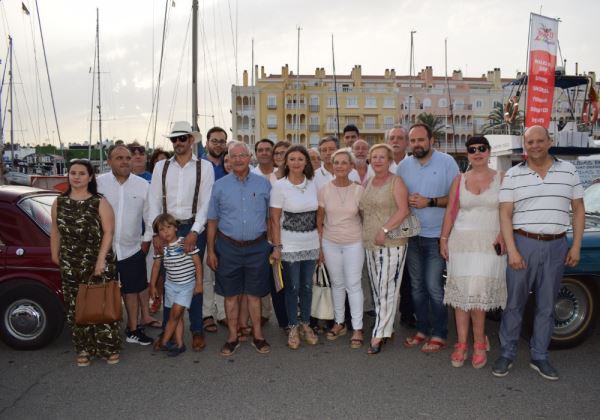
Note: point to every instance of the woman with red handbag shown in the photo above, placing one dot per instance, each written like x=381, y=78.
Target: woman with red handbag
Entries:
x=80, y=242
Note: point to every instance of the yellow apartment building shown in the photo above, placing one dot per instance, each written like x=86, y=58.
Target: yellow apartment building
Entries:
x=303, y=109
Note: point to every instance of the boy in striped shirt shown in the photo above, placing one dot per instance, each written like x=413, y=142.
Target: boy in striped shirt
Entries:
x=183, y=280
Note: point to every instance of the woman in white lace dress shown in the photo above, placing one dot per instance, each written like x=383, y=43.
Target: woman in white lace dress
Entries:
x=472, y=244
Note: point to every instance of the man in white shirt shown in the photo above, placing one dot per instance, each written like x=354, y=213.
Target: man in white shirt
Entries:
x=397, y=137
x=187, y=183
x=128, y=197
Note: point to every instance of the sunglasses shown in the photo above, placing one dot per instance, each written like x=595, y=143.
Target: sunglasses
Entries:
x=182, y=139
x=473, y=149
x=137, y=149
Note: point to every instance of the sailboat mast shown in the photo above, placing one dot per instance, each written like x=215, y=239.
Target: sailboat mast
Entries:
x=337, y=108
x=410, y=72
x=12, y=121
x=195, y=65
x=298, y=88
x=99, y=96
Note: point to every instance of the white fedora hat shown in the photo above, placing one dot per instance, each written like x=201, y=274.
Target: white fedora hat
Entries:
x=180, y=128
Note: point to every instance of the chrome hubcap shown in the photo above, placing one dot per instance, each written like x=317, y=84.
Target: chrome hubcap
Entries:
x=25, y=319
x=570, y=310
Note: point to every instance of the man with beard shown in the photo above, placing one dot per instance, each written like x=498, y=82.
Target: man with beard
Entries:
x=428, y=175
x=360, y=149
x=213, y=305
x=397, y=138
x=181, y=186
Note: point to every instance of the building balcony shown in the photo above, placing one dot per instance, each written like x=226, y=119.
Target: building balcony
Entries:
x=314, y=128
x=271, y=106
x=291, y=105
x=271, y=125
x=290, y=126
x=314, y=108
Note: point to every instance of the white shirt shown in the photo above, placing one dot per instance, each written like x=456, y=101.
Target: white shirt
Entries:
x=271, y=177
x=129, y=201
x=323, y=176
x=180, y=183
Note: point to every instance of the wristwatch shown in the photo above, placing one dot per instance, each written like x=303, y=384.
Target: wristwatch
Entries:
x=431, y=202
x=385, y=230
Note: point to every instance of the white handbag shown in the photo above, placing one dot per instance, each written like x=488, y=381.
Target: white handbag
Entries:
x=322, y=303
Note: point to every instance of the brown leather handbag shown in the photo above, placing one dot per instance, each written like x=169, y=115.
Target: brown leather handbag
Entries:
x=98, y=303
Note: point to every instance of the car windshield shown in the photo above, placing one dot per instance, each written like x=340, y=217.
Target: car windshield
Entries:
x=38, y=208
x=591, y=199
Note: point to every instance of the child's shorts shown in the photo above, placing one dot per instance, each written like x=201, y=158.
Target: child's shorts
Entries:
x=178, y=293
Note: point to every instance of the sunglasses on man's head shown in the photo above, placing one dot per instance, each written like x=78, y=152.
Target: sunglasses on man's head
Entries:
x=182, y=139
x=139, y=149
x=472, y=149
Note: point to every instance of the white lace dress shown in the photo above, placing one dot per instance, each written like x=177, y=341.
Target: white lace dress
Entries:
x=476, y=275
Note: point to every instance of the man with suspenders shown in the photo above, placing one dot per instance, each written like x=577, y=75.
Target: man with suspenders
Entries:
x=181, y=186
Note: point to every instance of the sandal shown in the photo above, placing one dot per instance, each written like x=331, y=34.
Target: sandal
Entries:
x=209, y=325
x=155, y=323
x=479, y=360
x=261, y=346
x=83, y=359
x=459, y=355
x=375, y=348
x=229, y=348
x=414, y=340
x=244, y=333
x=336, y=331
x=434, y=345
x=355, y=341
x=155, y=306
x=113, y=359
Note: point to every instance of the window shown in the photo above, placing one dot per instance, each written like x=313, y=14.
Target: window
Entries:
x=388, y=122
x=426, y=103
x=352, y=120
x=352, y=102
x=370, y=123
x=370, y=102
x=478, y=104
x=314, y=119
x=389, y=102
x=331, y=103
x=272, y=121
x=272, y=137
x=331, y=123
x=443, y=103
x=314, y=140
x=271, y=102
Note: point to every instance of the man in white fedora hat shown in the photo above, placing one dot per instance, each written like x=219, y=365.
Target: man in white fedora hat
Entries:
x=181, y=186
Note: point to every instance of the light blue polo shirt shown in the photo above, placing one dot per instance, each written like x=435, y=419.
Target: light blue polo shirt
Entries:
x=430, y=180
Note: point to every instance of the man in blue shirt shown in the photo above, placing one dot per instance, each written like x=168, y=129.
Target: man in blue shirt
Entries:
x=237, y=248
x=216, y=144
x=428, y=175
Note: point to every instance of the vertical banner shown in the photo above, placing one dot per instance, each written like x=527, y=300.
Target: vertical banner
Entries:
x=542, y=64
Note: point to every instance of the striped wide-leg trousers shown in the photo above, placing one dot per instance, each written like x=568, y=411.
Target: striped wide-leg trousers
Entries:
x=385, y=272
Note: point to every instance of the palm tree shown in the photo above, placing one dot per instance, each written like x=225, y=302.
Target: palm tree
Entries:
x=496, y=120
x=434, y=122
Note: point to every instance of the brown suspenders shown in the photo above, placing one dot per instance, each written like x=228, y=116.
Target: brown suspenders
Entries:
x=196, y=188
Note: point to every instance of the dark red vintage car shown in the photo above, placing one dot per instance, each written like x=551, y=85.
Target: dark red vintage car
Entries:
x=32, y=311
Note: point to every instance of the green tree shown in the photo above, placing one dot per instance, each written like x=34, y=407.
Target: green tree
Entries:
x=496, y=121
x=434, y=122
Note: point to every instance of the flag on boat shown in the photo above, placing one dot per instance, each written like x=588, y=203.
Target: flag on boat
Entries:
x=24, y=8
x=543, y=39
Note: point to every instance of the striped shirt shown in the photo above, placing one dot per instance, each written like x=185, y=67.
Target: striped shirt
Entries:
x=541, y=205
x=179, y=265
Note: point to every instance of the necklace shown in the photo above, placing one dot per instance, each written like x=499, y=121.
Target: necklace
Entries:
x=342, y=198
x=300, y=187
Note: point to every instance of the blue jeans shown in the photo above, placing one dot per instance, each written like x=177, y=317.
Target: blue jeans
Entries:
x=195, y=311
x=426, y=268
x=298, y=276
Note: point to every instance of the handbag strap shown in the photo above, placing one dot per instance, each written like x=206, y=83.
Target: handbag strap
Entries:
x=456, y=199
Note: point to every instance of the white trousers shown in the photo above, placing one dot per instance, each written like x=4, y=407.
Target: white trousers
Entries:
x=344, y=263
x=385, y=271
x=212, y=304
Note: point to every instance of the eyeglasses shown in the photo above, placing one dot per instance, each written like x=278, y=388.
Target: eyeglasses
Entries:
x=279, y=153
x=473, y=149
x=182, y=139
x=219, y=142
x=240, y=156
x=137, y=149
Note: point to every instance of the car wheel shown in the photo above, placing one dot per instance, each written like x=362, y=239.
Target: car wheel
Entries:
x=31, y=315
x=575, y=312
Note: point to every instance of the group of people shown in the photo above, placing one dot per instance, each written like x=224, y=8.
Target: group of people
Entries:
x=385, y=224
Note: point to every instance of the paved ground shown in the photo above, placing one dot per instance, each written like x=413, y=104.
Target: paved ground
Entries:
x=325, y=381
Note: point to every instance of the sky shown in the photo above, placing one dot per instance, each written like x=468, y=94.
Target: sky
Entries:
x=481, y=35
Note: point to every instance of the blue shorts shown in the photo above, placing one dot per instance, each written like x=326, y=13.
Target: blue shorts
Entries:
x=132, y=273
x=180, y=294
x=243, y=270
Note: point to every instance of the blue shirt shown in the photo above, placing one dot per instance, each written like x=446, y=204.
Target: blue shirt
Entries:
x=146, y=175
x=219, y=169
x=430, y=180
x=240, y=207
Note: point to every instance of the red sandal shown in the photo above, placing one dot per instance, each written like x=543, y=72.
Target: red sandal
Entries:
x=459, y=355
x=434, y=345
x=414, y=341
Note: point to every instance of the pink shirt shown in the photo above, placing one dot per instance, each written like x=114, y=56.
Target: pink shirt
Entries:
x=342, y=219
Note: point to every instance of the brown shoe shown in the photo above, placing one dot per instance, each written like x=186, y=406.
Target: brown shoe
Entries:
x=198, y=343
x=293, y=338
x=308, y=335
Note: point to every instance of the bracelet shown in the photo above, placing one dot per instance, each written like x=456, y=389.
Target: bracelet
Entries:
x=435, y=202
x=279, y=246
x=443, y=237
